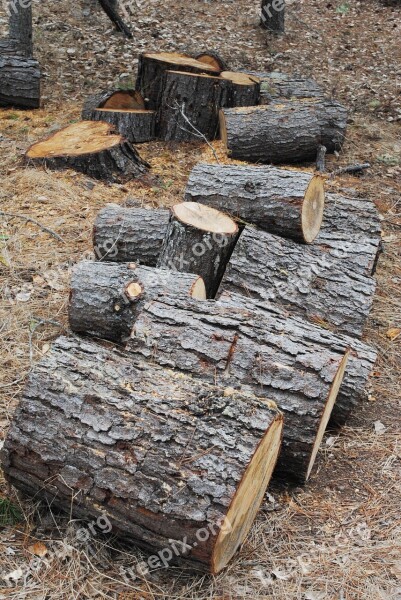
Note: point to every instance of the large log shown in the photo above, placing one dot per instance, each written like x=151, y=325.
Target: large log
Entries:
x=152, y=67
x=351, y=232
x=105, y=298
x=179, y=468
x=305, y=280
x=200, y=240
x=284, y=202
x=189, y=106
x=285, y=132
x=130, y=234
x=19, y=82
x=244, y=89
x=361, y=360
x=275, y=85
x=248, y=351
x=92, y=148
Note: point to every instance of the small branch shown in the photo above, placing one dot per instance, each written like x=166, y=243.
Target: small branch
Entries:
x=30, y=220
x=109, y=8
x=199, y=133
x=320, y=158
x=358, y=168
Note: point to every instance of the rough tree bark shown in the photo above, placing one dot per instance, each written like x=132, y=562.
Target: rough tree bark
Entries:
x=273, y=16
x=106, y=298
x=152, y=67
x=189, y=106
x=137, y=126
x=244, y=89
x=183, y=462
x=305, y=280
x=92, y=148
x=275, y=85
x=199, y=240
x=130, y=234
x=289, y=131
x=219, y=344
x=288, y=203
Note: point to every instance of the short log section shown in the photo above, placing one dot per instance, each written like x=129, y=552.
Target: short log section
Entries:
x=91, y=148
x=244, y=89
x=106, y=298
x=284, y=202
x=275, y=85
x=200, y=240
x=184, y=461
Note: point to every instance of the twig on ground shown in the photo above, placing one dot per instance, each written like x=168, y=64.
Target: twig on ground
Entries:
x=199, y=133
x=358, y=168
x=35, y=222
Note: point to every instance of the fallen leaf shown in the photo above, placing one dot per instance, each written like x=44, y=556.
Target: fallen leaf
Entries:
x=393, y=333
x=38, y=549
x=379, y=427
x=14, y=575
x=23, y=296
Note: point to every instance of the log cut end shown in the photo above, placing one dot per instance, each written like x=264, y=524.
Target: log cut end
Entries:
x=124, y=100
x=182, y=60
x=198, y=290
x=239, y=78
x=213, y=59
x=204, y=218
x=248, y=497
x=334, y=390
x=312, y=209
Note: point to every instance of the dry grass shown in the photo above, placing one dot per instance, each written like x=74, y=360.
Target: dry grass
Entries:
x=340, y=536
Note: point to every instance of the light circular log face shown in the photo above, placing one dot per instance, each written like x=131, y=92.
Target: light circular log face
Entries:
x=181, y=59
x=312, y=209
x=124, y=110
x=198, y=290
x=127, y=100
x=85, y=137
x=335, y=388
x=208, y=59
x=204, y=218
x=133, y=290
x=248, y=498
x=239, y=78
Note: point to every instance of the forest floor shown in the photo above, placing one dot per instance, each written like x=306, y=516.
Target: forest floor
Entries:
x=337, y=538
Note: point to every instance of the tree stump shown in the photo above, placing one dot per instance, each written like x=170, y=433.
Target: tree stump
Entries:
x=130, y=234
x=244, y=89
x=91, y=148
x=105, y=298
x=286, y=132
x=305, y=280
x=219, y=344
x=152, y=67
x=179, y=469
x=199, y=240
x=137, y=126
x=189, y=106
x=273, y=16
x=284, y=202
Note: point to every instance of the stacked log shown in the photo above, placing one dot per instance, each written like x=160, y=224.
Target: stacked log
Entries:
x=285, y=132
x=275, y=85
x=244, y=89
x=302, y=279
x=91, y=148
x=214, y=342
x=130, y=234
x=105, y=298
x=182, y=462
x=284, y=202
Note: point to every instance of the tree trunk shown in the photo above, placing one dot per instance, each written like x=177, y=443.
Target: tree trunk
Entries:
x=110, y=7
x=284, y=202
x=179, y=468
x=130, y=234
x=285, y=132
x=19, y=82
x=137, y=126
x=361, y=360
x=199, y=240
x=106, y=298
x=152, y=67
x=219, y=344
x=244, y=89
x=304, y=280
x=91, y=148
x=273, y=15
x=351, y=232
x=275, y=85
x=189, y=106
x=20, y=27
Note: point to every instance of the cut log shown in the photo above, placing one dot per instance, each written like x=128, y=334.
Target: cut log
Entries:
x=361, y=360
x=20, y=27
x=273, y=16
x=212, y=58
x=19, y=82
x=285, y=132
x=92, y=148
x=152, y=67
x=137, y=126
x=219, y=344
x=351, y=232
x=115, y=99
x=105, y=298
x=304, y=280
x=130, y=234
x=244, y=89
x=199, y=240
x=189, y=106
x=284, y=202
x=179, y=468
x=275, y=85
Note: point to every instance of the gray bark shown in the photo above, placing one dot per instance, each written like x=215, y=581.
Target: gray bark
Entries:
x=275, y=85
x=241, y=94
x=19, y=82
x=136, y=126
x=100, y=300
x=130, y=234
x=272, y=18
x=245, y=350
x=20, y=27
x=303, y=279
x=96, y=435
x=268, y=197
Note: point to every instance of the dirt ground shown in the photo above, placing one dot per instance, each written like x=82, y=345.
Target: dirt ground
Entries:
x=337, y=538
